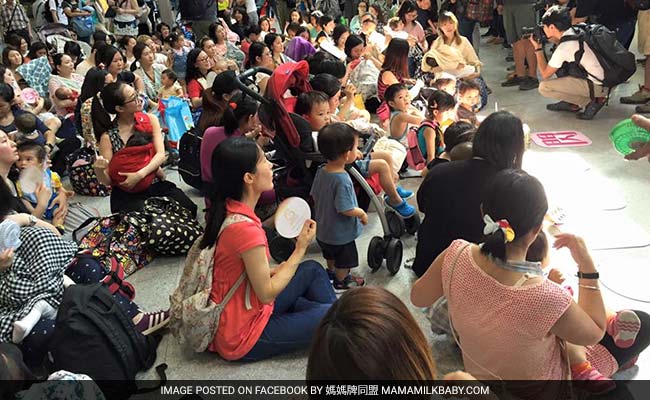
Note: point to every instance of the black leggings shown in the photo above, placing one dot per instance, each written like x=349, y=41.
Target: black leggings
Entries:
x=642, y=341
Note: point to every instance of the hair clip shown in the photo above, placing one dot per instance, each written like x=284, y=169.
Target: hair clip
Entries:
x=233, y=105
x=502, y=224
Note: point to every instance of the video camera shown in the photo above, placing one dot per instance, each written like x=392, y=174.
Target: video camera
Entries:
x=537, y=32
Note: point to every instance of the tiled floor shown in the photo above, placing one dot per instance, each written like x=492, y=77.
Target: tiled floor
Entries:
x=622, y=270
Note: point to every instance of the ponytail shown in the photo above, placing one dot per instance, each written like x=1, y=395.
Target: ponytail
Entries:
x=235, y=112
x=215, y=216
x=514, y=205
x=231, y=160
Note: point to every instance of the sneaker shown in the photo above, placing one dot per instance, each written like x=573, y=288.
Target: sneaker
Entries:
x=403, y=193
x=563, y=106
x=643, y=109
x=591, y=109
x=152, y=322
x=598, y=383
x=529, y=83
x=405, y=210
x=641, y=96
x=514, y=81
x=349, y=282
x=623, y=328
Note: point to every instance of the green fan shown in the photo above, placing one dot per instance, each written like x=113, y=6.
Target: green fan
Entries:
x=625, y=133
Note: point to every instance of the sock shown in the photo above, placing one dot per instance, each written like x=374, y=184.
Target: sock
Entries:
x=578, y=368
x=23, y=327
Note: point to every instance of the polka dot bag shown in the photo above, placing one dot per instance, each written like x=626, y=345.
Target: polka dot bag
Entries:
x=172, y=230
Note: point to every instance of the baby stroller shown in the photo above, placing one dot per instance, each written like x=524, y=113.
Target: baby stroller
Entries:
x=295, y=176
x=55, y=35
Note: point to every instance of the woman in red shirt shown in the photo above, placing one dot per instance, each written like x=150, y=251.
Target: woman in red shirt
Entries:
x=198, y=66
x=282, y=311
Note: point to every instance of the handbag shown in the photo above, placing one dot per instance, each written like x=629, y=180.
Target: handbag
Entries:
x=123, y=236
x=172, y=230
x=83, y=26
x=395, y=148
x=194, y=318
x=83, y=177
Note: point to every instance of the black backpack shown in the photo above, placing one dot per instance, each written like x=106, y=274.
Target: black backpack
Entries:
x=94, y=336
x=189, y=162
x=47, y=14
x=639, y=4
x=618, y=63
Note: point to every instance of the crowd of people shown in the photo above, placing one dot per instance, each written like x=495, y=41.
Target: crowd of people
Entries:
x=481, y=244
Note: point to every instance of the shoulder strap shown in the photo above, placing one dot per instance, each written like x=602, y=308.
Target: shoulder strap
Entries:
x=13, y=14
x=233, y=219
x=451, y=325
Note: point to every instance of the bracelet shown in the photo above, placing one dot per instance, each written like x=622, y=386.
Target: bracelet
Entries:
x=589, y=287
x=538, y=50
x=588, y=275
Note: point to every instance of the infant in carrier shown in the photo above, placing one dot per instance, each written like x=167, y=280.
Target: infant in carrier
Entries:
x=137, y=154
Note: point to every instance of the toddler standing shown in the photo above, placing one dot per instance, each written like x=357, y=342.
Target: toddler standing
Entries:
x=336, y=206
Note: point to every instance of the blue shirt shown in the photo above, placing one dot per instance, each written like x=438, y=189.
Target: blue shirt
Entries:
x=333, y=194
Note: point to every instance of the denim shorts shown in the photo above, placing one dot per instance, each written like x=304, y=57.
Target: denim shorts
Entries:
x=363, y=166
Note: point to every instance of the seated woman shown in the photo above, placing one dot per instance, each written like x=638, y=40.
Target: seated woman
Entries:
x=34, y=104
x=364, y=66
x=145, y=67
x=12, y=59
x=259, y=55
x=284, y=307
x=369, y=334
x=239, y=119
x=450, y=195
x=454, y=54
x=224, y=47
x=394, y=69
x=198, y=67
x=122, y=100
x=216, y=100
x=63, y=76
x=496, y=297
x=275, y=43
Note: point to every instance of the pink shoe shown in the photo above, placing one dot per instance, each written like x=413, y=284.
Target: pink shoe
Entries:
x=598, y=383
x=623, y=328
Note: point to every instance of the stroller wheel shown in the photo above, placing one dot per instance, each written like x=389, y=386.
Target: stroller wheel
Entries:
x=412, y=224
x=395, y=224
x=281, y=248
x=393, y=255
x=376, y=253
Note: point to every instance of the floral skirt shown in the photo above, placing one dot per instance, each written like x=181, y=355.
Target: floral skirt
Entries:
x=125, y=28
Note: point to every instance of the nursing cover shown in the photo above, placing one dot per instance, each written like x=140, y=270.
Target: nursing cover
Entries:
x=36, y=274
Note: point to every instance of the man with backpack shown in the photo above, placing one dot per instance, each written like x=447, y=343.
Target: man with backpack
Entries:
x=588, y=61
x=14, y=21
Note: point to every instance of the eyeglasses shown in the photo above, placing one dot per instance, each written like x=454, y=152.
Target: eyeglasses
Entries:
x=135, y=98
x=366, y=21
x=202, y=59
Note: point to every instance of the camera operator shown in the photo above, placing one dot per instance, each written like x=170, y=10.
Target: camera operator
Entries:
x=572, y=88
x=617, y=15
x=518, y=14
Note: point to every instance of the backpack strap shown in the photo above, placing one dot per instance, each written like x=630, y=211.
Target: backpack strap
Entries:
x=233, y=219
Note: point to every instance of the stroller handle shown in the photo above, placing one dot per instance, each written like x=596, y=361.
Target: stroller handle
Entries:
x=249, y=73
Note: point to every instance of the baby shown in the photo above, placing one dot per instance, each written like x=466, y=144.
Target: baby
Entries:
x=26, y=128
x=396, y=29
x=33, y=155
x=447, y=84
x=136, y=154
x=64, y=93
x=469, y=99
x=170, y=86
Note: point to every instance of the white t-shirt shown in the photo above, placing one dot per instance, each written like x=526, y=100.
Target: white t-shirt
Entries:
x=63, y=19
x=566, y=52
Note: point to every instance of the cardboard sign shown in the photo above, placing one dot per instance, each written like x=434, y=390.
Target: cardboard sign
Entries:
x=560, y=139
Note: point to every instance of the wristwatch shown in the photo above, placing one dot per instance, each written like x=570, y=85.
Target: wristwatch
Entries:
x=32, y=220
